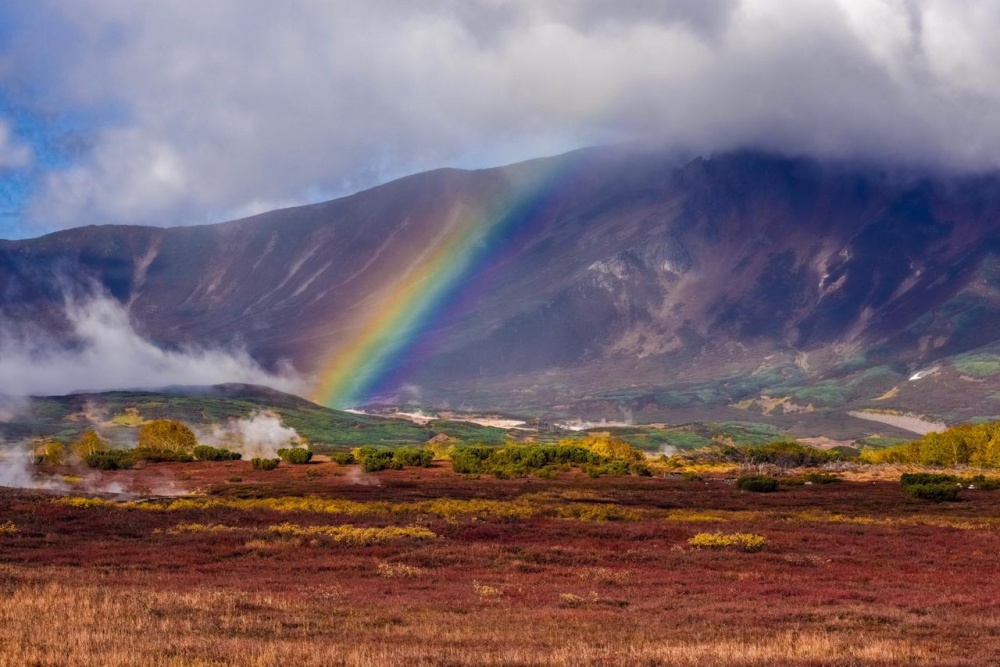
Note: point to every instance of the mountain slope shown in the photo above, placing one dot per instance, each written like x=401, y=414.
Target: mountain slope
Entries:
x=618, y=268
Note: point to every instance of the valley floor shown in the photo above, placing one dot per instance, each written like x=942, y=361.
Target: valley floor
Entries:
x=321, y=565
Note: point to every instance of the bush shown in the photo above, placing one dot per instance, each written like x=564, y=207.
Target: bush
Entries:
x=264, y=464
x=521, y=460
x=787, y=454
x=913, y=478
x=470, y=460
x=342, y=458
x=374, y=459
x=984, y=483
x=206, y=453
x=166, y=440
x=747, y=542
x=112, y=459
x=936, y=492
x=295, y=455
x=414, y=457
x=820, y=478
x=757, y=484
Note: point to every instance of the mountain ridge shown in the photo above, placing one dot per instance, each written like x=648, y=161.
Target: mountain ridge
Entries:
x=629, y=268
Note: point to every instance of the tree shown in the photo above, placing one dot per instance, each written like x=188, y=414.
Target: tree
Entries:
x=165, y=439
x=88, y=443
x=48, y=452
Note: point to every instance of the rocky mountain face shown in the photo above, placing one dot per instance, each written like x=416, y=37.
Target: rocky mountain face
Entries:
x=626, y=276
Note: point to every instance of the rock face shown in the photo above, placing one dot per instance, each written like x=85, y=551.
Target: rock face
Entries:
x=623, y=268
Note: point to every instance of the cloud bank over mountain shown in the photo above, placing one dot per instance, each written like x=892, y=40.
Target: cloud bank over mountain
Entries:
x=184, y=112
x=110, y=354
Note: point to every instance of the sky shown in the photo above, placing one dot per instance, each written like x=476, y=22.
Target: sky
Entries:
x=174, y=112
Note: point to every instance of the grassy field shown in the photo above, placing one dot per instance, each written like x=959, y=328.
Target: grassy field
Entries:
x=324, y=565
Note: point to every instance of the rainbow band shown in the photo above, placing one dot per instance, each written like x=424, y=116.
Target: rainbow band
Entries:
x=400, y=321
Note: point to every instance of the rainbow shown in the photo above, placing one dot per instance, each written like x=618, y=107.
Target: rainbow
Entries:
x=440, y=280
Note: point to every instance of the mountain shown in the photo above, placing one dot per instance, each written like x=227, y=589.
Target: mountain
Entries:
x=611, y=280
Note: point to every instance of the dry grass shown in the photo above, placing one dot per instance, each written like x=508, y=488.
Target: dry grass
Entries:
x=521, y=572
x=139, y=626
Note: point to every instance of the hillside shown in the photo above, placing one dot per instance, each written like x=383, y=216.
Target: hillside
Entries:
x=116, y=414
x=608, y=280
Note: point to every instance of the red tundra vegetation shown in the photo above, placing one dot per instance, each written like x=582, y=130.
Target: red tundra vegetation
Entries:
x=323, y=565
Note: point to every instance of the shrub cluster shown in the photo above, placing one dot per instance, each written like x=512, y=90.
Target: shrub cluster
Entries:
x=414, y=457
x=820, y=478
x=936, y=492
x=207, y=453
x=264, y=464
x=521, y=460
x=931, y=486
x=112, y=459
x=975, y=445
x=748, y=542
x=342, y=458
x=295, y=455
x=373, y=459
x=788, y=454
x=757, y=483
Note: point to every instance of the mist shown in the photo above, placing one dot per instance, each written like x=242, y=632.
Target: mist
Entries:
x=110, y=354
x=261, y=434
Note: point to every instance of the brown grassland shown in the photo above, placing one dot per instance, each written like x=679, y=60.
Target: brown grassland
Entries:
x=320, y=565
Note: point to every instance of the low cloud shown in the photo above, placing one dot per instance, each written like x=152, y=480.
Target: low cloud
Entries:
x=203, y=110
x=108, y=354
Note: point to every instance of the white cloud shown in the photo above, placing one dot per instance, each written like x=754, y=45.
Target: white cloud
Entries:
x=110, y=354
x=13, y=153
x=223, y=103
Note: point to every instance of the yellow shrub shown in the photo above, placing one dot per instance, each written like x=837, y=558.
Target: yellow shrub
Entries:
x=397, y=570
x=607, y=445
x=354, y=535
x=734, y=541
x=604, y=512
x=8, y=528
x=202, y=528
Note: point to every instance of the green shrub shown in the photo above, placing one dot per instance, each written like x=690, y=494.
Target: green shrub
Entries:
x=820, y=478
x=414, y=457
x=788, y=454
x=112, y=459
x=757, y=484
x=264, y=464
x=936, y=492
x=374, y=459
x=641, y=469
x=471, y=460
x=295, y=455
x=924, y=478
x=206, y=453
x=520, y=460
x=342, y=458
x=984, y=483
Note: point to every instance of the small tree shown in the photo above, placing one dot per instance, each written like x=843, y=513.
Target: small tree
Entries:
x=165, y=439
x=88, y=443
x=48, y=452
